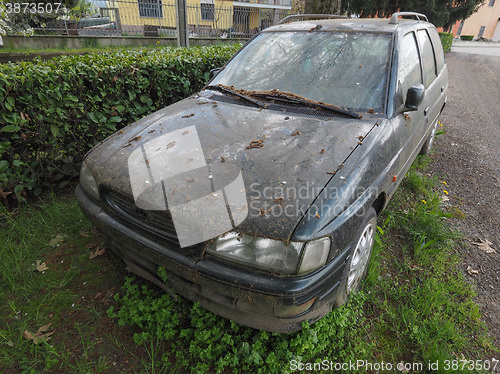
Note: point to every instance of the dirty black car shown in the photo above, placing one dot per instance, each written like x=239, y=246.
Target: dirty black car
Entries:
x=259, y=195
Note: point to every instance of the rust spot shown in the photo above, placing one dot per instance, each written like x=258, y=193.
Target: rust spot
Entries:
x=222, y=159
x=278, y=200
x=370, y=110
x=407, y=117
x=256, y=144
x=262, y=212
x=135, y=139
x=149, y=132
x=322, y=151
x=360, y=138
x=331, y=172
x=296, y=133
x=317, y=215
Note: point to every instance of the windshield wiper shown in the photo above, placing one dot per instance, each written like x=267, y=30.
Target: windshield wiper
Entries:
x=296, y=99
x=232, y=91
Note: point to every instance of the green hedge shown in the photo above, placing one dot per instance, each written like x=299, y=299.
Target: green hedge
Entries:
x=466, y=37
x=53, y=112
x=446, y=41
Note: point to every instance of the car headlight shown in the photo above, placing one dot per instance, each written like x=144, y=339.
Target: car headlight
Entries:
x=88, y=182
x=269, y=254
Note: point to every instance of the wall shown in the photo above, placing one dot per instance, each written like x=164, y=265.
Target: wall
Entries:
x=75, y=42
x=485, y=16
x=133, y=23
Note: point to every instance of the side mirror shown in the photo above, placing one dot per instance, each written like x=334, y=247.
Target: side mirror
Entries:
x=414, y=97
x=213, y=73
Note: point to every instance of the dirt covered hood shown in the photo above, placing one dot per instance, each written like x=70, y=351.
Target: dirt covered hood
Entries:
x=282, y=160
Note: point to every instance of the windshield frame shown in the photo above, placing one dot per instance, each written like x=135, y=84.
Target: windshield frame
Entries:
x=390, y=57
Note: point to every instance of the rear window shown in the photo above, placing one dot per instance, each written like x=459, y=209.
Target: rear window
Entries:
x=438, y=48
x=344, y=69
x=428, y=57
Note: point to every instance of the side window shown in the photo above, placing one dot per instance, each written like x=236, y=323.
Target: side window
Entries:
x=428, y=57
x=409, y=72
x=438, y=48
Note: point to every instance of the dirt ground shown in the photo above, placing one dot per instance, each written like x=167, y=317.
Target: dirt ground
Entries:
x=467, y=159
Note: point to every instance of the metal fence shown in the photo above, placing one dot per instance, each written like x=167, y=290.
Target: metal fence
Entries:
x=223, y=19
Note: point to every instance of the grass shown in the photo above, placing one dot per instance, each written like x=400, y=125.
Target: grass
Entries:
x=415, y=306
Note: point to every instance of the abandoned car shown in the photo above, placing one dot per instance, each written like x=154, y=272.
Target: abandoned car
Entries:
x=259, y=195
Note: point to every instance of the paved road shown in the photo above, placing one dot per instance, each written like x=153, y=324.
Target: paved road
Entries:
x=488, y=51
x=467, y=157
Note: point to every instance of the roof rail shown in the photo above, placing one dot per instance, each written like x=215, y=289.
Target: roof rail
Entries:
x=301, y=17
x=417, y=16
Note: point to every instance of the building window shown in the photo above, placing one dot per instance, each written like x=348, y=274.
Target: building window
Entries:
x=207, y=11
x=150, y=8
x=481, y=31
x=460, y=27
x=491, y=3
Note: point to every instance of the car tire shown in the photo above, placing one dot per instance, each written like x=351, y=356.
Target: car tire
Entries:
x=426, y=148
x=359, y=258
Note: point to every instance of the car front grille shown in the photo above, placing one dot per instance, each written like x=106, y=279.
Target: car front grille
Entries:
x=123, y=207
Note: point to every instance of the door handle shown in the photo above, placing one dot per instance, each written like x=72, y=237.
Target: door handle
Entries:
x=426, y=110
x=442, y=89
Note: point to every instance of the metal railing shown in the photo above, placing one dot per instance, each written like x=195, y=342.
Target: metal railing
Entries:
x=157, y=18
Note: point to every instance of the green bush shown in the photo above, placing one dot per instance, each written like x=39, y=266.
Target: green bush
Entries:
x=446, y=41
x=466, y=37
x=202, y=342
x=53, y=112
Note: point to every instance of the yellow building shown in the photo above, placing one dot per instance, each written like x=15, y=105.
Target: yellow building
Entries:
x=484, y=23
x=206, y=18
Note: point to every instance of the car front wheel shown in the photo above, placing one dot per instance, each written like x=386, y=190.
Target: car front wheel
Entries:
x=426, y=148
x=357, y=264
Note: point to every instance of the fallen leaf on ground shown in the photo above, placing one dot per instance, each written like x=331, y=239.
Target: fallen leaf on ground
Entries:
x=4, y=194
x=85, y=233
x=471, y=271
x=98, y=252
x=57, y=240
x=484, y=245
x=40, y=335
x=41, y=266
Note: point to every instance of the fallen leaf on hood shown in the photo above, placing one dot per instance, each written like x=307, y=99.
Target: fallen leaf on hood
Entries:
x=41, y=266
x=98, y=252
x=40, y=335
x=471, y=271
x=484, y=245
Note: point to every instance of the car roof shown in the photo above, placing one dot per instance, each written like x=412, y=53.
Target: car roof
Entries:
x=348, y=24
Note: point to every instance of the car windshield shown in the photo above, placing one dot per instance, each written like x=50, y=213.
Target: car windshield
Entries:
x=345, y=69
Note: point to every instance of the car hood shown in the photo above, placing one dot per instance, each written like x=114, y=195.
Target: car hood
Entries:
x=284, y=159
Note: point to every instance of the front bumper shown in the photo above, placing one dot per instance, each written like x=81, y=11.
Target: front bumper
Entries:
x=253, y=298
